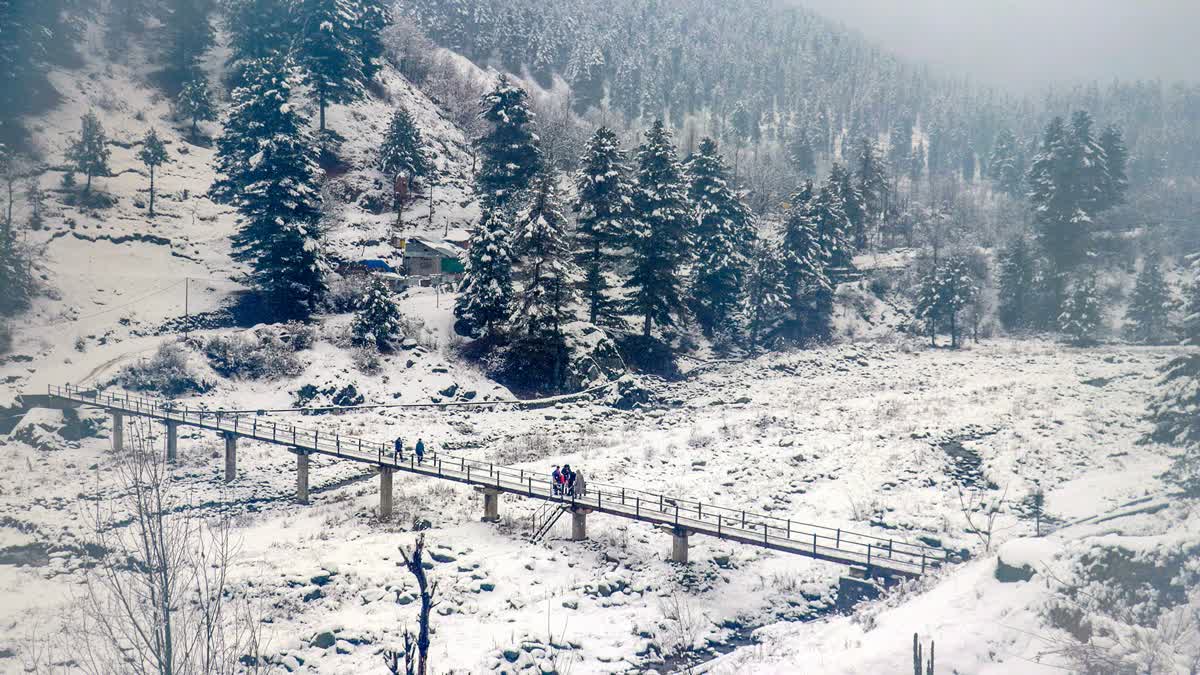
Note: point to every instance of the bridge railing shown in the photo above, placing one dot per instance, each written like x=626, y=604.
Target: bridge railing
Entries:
x=651, y=506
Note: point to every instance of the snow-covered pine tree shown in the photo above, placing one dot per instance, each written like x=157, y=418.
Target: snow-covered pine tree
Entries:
x=377, y=318
x=834, y=227
x=403, y=150
x=900, y=142
x=802, y=261
x=916, y=163
x=1175, y=409
x=603, y=205
x=957, y=289
x=853, y=204
x=195, y=103
x=1004, y=165
x=659, y=234
x=89, y=153
x=871, y=175
x=1067, y=190
x=511, y=156
x=723, y=232
x=547, y=271
x=801, y=153
x=485, y=298
x=1018, y=284
x=373, y=17
x=766, y=293
x=1148, y=315
x=189, y=34
x=153, y=154
x=1081, y=314
x=946, y=290
x=257, y=29
x=330, y=51
x=968, y=164
x=267, y=168
x=1116, y=160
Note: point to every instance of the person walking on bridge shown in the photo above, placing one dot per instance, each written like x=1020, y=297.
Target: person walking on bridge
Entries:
x=398, y=450
x=419, y=450
x=556, y=480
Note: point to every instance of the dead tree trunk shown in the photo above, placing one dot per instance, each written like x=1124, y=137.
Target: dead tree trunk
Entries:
x=415, y=564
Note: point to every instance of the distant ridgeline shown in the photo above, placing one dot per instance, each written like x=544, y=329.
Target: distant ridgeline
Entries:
x=775, y=70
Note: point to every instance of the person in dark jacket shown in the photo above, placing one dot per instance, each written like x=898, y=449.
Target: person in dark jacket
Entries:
x=556, y=480
x=420, y=451
x=568, y=480
x=398, y=450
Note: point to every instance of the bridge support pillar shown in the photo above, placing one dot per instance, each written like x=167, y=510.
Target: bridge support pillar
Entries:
x=301, y=476
x=491, y=505
x=118, y=431
x=172, y=441
x=385, y=492
x=679, y=545
x=579, y=524
x=230, y=457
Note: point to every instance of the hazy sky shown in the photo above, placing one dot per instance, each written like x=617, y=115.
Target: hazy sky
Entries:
x=1026, y=43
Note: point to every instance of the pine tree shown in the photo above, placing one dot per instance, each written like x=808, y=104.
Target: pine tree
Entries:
x=377, y=318
x=871, y=175
x=373, y=17
x=189, y=34
x=968, y=164
x=722, y=235
x=257, y=29
x=1004, y=165
x=659, y=236
x=1149, y=309
x=485, y=297
x=853, y=204
x=603, y=206
x=403, y=151
x=1081, y=312
x=267, y=167
x=1116, y=159
x=946, y=290
x=511, y=156
x=916, y=163
x=803, y=260
x=1018, y=284
x=802, y=155
x=834, y=228
x=1067, y=182
x=89, y=153
x=766, y=293
x=195, y=103
x=900, y=142
x=153, y=154
x=1175, y=408
x=330, y=51
x=548, y=273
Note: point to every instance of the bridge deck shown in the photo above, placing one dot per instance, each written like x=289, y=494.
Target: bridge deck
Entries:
x=886, y=556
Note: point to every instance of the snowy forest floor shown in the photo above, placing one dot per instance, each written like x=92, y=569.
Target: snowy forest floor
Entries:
x=874, y=437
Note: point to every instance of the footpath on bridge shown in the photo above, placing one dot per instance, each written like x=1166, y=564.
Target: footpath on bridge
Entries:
x=872, y=556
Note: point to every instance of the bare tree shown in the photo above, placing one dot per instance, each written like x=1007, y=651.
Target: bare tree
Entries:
x=981, y=514
x=156, y=599
x=414, y=561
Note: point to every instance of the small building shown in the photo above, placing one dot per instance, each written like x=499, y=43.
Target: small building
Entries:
x=429, y=258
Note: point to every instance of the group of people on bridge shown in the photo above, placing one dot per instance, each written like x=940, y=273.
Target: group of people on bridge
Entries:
x=398, y=450
x=567, y=483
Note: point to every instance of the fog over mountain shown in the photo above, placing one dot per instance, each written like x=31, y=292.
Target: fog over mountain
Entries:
x=1023, y=44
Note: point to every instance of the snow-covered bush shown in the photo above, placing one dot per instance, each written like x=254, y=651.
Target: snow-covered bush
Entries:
x=377, y=319
x=167, y=372
x=259, y=356
x=1129, y=609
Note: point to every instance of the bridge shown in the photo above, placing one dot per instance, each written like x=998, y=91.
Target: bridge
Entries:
x=681, y=518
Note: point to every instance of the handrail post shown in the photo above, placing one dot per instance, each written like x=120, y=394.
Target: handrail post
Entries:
x=838, y=543
x=814, y=543
x=676, y=513
x=789, y=533
x=922, y=561
x=868, y=555
x=637, y=506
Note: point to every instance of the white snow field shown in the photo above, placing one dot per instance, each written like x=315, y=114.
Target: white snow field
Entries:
x=877, y=434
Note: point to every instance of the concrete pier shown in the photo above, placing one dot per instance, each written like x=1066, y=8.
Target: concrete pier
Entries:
x=579, y=524
x=230, y=457
x=172, y=440
x=301, y=476
x=679, y=545
x=385, y=492
x=118, y=431
x=491, y=505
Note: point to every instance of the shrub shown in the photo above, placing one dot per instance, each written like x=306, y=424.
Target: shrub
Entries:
x=167, y=372
x=261, y=356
